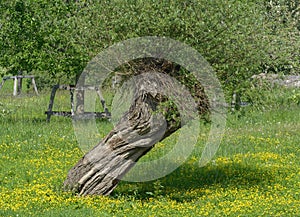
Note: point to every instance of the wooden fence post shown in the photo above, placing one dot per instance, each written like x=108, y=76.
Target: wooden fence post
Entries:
x=34, y=85
x=53, y=92
x=15, y=85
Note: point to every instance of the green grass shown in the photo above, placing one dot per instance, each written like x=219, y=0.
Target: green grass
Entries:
x=255, y=172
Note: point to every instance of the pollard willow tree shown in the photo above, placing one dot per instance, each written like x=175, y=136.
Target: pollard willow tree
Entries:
x=165, y=96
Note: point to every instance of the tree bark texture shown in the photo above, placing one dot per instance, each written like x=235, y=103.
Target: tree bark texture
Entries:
x=138, y=130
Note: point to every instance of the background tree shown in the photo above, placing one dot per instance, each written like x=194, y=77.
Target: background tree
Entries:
x=56, y=39
x=38, y=37
x=282, y=20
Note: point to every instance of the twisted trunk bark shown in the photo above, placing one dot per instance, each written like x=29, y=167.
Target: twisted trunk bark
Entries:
x=150, y=118
x=100, y=170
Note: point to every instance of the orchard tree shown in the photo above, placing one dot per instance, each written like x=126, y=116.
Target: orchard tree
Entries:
x=56, y=39
x=283, y=22
x=38, y=37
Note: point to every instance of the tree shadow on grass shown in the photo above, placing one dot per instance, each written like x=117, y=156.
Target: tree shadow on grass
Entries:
x=190, y=177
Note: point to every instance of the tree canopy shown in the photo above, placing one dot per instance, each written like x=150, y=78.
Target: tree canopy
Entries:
x=56, y=39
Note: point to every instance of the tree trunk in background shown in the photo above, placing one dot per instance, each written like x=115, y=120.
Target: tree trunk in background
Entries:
x=19, y=86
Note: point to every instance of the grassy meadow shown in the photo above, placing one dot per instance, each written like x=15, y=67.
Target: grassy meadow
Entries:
x=254, y=173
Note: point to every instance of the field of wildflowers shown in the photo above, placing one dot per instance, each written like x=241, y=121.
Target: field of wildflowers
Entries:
x=255, y=172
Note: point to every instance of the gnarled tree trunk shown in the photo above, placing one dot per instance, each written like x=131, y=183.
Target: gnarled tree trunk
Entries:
x=139, y=129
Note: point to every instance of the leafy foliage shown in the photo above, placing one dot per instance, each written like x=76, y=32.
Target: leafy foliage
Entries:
x=283, y=39
x=56, y=39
